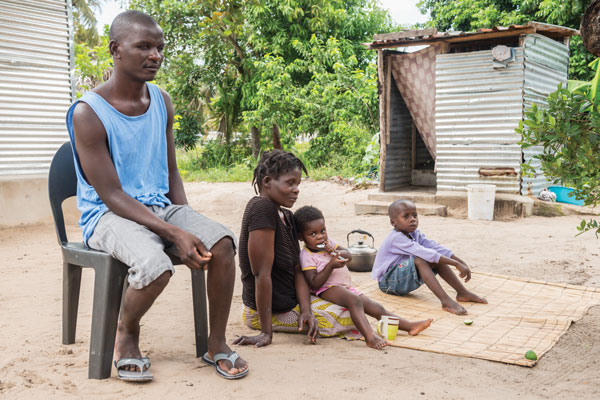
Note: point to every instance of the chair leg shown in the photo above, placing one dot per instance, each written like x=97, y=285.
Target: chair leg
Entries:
x=200, y=320
x=71, y=286
x=108, y=288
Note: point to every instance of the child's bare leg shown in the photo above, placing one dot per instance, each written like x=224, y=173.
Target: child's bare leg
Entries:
x=462, y=293
x=376, y=310
x=345, y=298
x=426, y=272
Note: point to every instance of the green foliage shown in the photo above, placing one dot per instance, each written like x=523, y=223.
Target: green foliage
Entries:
x=242, y=170
x=336, y=107
x=569, y=133
x=214, y=154
x=205, y=63
x=93, y=64
x=187, y=127
x=234, y=173
x=84, y=21
x=469, y=15
x=228, y=59
x=276, y=25
x=370, y=162
x=214, y=161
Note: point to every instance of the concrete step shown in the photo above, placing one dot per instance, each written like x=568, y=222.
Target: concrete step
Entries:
x=455, y=203
x=381, y=208
x=415, y=197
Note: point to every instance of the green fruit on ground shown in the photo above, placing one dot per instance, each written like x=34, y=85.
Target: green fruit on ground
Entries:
x=530, y=355
x=468, y=321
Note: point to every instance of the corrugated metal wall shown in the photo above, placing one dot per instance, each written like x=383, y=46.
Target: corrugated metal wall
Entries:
x=398, y=151
x=546, y=65
x=35, y=83
x=423, y=159
x=476, y=113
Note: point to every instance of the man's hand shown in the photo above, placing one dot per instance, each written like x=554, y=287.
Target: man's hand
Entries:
x=313, y=325
x=192, y=251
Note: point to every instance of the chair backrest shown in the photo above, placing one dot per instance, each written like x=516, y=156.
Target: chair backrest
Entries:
x=62, y=184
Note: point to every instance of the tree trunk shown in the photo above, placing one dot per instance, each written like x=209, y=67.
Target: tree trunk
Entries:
x=223, y=129
x=590, y=28
x=276, y=137
x=255, y=141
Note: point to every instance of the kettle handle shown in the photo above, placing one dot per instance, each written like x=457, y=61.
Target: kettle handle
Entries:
x=362, y=233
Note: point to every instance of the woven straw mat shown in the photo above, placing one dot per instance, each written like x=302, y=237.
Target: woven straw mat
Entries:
x=522, y=314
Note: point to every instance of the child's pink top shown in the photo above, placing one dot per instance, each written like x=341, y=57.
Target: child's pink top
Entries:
x=318, y=261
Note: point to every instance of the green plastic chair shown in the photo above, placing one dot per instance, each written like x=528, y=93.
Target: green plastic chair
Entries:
x=109, y=279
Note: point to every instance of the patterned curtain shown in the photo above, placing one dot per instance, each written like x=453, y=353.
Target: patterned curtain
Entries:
x=414, y=74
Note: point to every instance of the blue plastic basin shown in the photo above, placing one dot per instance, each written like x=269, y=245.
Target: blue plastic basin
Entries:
x=562, y=195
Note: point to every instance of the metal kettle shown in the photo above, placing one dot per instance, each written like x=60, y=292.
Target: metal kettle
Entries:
x=363, y=255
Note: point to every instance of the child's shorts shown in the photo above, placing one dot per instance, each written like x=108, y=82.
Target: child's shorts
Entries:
x=401, y=279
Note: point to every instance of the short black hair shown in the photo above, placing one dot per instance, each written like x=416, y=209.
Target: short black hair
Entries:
x=274, y=164
x=398, y=205
x=125, y=20
x=306, y=214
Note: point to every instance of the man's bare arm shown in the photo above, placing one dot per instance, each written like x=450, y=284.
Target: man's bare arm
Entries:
x=99, y=171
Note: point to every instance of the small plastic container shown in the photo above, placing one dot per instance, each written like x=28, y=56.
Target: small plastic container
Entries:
x=481, y=199
x=562, y=195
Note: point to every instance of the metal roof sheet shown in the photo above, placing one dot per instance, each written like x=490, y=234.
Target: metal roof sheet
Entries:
x=426, y=36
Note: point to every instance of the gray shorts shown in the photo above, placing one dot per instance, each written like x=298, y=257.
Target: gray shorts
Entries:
x=143, y=250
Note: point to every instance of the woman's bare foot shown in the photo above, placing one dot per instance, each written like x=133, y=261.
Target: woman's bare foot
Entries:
x=376, y=342
x=470, y=297
x=453, y=307
x=419, y=326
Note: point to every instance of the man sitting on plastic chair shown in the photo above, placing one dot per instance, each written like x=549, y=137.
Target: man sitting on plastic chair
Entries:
x=132, y=198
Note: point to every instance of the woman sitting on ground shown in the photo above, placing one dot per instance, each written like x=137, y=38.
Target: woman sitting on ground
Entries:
x=275, y=293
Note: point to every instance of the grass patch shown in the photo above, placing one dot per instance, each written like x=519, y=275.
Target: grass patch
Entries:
x=328, y=171
x=235, y=173
x=242, y=171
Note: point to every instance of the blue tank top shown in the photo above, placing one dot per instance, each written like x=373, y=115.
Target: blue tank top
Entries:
x=138, y=149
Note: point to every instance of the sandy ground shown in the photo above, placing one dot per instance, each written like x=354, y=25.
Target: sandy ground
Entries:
x=33, y=363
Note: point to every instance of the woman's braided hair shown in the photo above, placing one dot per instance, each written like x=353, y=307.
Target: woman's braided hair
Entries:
x=274, y=164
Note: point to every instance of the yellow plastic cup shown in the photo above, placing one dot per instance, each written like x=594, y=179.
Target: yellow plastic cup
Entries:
x=387, y=327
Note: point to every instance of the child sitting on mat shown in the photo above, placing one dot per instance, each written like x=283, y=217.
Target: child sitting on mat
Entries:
x=324, y=265
x=406, y=260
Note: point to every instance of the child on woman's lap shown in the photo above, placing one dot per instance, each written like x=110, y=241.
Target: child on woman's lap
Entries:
x=324, y=265
x=406, y=260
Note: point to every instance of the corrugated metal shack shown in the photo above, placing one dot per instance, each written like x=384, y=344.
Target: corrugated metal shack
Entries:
x=453, y=106
x=36, y=89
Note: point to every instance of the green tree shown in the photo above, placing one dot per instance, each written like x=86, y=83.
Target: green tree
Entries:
x=569, y=132
x=469, y=15
x=84, y=21
x=286, y=30
x=93, y=64
x=337, y=106
x=216, y=50
x=207, y=65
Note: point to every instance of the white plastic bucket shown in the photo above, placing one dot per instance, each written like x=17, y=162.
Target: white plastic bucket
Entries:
x=481, y=201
